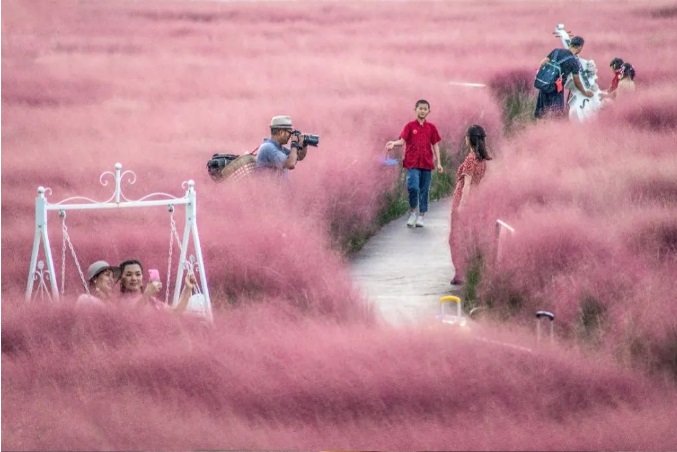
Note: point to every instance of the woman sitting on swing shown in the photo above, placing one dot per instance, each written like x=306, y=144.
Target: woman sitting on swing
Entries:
x=101, y=277
x=133, y=292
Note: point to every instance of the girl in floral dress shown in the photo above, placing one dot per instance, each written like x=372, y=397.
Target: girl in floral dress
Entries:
x=468, y=176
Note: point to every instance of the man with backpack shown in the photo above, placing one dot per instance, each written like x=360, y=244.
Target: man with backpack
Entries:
x=552, y=75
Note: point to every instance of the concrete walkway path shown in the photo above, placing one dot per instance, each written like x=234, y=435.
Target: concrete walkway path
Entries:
x=404, y=271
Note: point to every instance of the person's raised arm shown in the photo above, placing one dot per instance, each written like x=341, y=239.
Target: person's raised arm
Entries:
x=189, y=284
x=152, y=288
x=607, y=94
x=392, y=144
x=292, y=158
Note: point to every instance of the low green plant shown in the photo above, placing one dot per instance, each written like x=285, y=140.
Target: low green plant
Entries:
x=472, y=281
x=443, y=184
x=395, y=202
x=591, y=320
x=518, y=111
x=355, y=242
x=515, y=93
x=667, y=353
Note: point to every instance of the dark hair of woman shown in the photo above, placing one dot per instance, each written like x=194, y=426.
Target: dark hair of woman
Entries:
x=616, y=63
x=628, y=71
x=476, y=136
x=91, y=284
x=122, y=270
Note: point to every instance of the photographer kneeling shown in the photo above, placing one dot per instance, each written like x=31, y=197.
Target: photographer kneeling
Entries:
x=273, y=156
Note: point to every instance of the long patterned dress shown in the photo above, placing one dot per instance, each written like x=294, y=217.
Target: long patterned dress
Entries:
x=475, y=169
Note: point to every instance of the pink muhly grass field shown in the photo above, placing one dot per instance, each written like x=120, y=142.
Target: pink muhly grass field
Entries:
x=594, y=210
x=121, y=380
x=297, y=359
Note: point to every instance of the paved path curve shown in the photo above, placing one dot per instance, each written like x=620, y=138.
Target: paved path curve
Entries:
x=405, y=271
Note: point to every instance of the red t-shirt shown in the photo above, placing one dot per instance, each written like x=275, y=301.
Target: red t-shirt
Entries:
x=419, y=139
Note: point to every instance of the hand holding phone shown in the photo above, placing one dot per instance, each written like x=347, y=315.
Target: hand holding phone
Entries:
x=154, y=274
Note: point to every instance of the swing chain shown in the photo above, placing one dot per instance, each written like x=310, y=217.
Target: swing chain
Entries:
x=173, y=235
x=67, y=241
x=62, y=214
x=172, y=224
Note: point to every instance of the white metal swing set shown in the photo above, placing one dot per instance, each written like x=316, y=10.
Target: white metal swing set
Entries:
x=195, y=264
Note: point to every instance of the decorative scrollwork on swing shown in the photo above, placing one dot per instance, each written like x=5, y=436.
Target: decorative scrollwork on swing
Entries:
x=191, y=265
x=42, y=276
x=118, y=177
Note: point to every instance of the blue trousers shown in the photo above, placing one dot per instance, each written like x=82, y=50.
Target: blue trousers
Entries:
x=418, y=185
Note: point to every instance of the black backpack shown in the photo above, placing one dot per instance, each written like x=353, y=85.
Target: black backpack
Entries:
x=549, y=73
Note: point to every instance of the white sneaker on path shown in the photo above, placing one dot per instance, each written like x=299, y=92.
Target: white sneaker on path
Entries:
x=419, y=222
x=412, y=220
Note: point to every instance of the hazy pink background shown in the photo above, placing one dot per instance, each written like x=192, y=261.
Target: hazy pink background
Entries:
x=297, y=359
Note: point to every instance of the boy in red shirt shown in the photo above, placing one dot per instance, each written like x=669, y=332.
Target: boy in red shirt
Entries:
x=421, y=156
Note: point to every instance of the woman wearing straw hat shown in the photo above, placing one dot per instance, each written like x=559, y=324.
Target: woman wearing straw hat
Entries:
x=101, y=279
x=272, y=155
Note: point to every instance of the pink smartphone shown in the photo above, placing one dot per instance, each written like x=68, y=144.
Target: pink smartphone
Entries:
x=154, y=274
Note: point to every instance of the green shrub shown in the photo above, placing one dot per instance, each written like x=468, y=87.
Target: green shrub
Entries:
x=590, y=320
x=518, y=112
x=472, y=281
x=515, y=93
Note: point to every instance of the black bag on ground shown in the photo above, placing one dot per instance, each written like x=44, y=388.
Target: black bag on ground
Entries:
x=549, y=73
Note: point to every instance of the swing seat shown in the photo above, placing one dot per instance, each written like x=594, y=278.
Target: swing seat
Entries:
x=197, y=306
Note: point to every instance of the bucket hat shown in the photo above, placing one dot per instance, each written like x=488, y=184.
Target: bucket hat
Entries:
x=98, y=267
x=281, y=122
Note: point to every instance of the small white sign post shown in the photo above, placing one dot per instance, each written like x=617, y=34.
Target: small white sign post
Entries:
x=501, y=228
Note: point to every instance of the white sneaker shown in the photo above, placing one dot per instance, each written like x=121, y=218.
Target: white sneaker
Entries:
x=419, y=222
x=412, y=220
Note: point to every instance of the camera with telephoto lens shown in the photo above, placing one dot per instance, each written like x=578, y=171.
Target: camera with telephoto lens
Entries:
x=308, y=139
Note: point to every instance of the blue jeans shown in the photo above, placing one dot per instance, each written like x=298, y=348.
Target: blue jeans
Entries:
x=418, y=185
